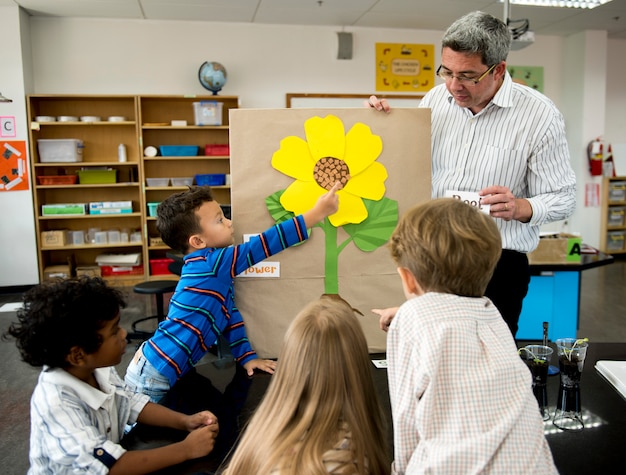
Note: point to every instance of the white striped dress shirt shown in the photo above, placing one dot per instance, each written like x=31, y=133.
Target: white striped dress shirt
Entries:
x=76, y=428
x=461, y=397
x=518, y=141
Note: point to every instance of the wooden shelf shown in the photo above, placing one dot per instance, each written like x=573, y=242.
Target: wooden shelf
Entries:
x=147, y=122
x=155, y=115
x=613, y=236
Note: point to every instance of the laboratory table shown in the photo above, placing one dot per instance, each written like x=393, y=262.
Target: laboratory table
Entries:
x=225, y=389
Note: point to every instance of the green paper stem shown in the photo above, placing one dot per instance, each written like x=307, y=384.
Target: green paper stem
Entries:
x=331, y=260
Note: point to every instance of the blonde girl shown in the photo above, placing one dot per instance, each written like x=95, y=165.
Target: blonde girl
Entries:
x=320, y=413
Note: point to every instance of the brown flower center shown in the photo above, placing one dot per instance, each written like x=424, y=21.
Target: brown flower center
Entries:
x=329, y=170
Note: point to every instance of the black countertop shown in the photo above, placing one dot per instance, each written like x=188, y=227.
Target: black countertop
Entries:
x=232, y=396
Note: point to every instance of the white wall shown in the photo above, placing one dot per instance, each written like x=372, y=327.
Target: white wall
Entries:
x=615, y=131
x=264, y=62
x=18, y=257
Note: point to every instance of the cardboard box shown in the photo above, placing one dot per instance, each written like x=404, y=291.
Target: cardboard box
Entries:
x=111, y=211
x=557, y=249
x=117, y=271
x=53, y=238
x=91, y=271
x=64, y=208
x=54, y=272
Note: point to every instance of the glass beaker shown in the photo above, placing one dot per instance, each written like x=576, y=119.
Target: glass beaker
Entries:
x=537, y=358
x=568, y=414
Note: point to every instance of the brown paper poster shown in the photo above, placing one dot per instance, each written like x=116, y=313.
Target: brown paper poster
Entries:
x=278, y=161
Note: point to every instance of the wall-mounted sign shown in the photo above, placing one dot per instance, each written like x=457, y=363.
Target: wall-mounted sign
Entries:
x=13, y=170
x=7, y=126
x=405, y=67
x=531, y=76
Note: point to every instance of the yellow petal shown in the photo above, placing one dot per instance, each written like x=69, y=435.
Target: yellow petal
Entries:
x=300, y=196
x=362, y=148
x=294, y=159
x=351, y=210
x=325, y=137
x=369, y=184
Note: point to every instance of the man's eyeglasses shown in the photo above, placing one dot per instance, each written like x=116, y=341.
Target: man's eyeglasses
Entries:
x=464, y=80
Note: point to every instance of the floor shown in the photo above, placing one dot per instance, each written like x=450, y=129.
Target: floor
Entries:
x=602, y=319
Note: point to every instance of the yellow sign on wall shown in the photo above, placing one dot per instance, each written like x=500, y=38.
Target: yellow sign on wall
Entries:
x=405, y=67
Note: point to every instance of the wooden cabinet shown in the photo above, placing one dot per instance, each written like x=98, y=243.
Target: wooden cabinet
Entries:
x=613, y=224
x=156, y=130
x=107, y=122
x=100, y=123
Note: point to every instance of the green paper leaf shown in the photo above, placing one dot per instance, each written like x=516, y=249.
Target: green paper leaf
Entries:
x=276, y=210
x=278, y=213
x=376, y=230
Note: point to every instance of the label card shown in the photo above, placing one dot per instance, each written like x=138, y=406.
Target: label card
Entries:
x=469, y=197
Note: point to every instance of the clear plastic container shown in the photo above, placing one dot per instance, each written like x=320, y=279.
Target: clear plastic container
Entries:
x=158, y=181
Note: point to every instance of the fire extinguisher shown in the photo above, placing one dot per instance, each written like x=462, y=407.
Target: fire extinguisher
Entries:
x=595, y=154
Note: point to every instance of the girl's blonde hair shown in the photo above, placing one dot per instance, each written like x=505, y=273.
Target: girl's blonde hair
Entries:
x=323, y=382
x=448, y=245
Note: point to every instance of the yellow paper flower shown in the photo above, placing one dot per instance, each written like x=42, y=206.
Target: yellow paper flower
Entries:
x=329, y=155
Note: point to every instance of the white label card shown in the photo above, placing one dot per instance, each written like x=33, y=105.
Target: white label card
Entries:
x=469, y=197
x=261, y=269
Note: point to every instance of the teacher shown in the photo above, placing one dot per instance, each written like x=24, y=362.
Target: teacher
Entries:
x=502, y=140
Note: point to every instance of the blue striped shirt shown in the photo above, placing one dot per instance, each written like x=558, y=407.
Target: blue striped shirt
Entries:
x=517, y=141
x=203, y=305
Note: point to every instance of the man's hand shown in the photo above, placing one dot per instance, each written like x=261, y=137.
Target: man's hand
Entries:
x=504, y=205
x=379, y=104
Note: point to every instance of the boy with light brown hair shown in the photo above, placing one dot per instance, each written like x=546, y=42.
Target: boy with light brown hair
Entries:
x=461, y=397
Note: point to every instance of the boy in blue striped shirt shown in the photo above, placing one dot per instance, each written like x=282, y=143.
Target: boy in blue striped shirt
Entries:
x=203, y=305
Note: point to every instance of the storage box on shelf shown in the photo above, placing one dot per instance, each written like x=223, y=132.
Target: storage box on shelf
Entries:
x=211, y=179
x=60, y=150
x=613, y=223
x=71, y=148
x=97, y=176
x=177, y=160
x=52, y=180
x=208, y=112
x=160, y=266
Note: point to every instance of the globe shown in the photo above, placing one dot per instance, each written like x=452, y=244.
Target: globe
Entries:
x=212, y=76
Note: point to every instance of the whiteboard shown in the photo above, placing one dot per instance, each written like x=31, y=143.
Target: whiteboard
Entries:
x=325, y=100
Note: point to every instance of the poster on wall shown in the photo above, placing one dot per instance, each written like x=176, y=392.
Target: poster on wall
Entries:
x=405, y=67
x=531, y=76
x=281, y=162
x=13, y=169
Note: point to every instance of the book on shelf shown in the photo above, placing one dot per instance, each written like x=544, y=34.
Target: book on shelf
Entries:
x=614, y=372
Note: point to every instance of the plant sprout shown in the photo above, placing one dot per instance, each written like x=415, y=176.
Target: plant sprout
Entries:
x=568, y=351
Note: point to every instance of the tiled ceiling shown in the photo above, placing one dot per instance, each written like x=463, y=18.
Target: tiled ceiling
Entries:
x=417, y=14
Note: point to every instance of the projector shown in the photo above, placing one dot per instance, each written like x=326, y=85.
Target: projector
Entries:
x=522, y=40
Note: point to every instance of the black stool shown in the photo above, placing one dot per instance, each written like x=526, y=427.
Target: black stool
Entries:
x=158, y=288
